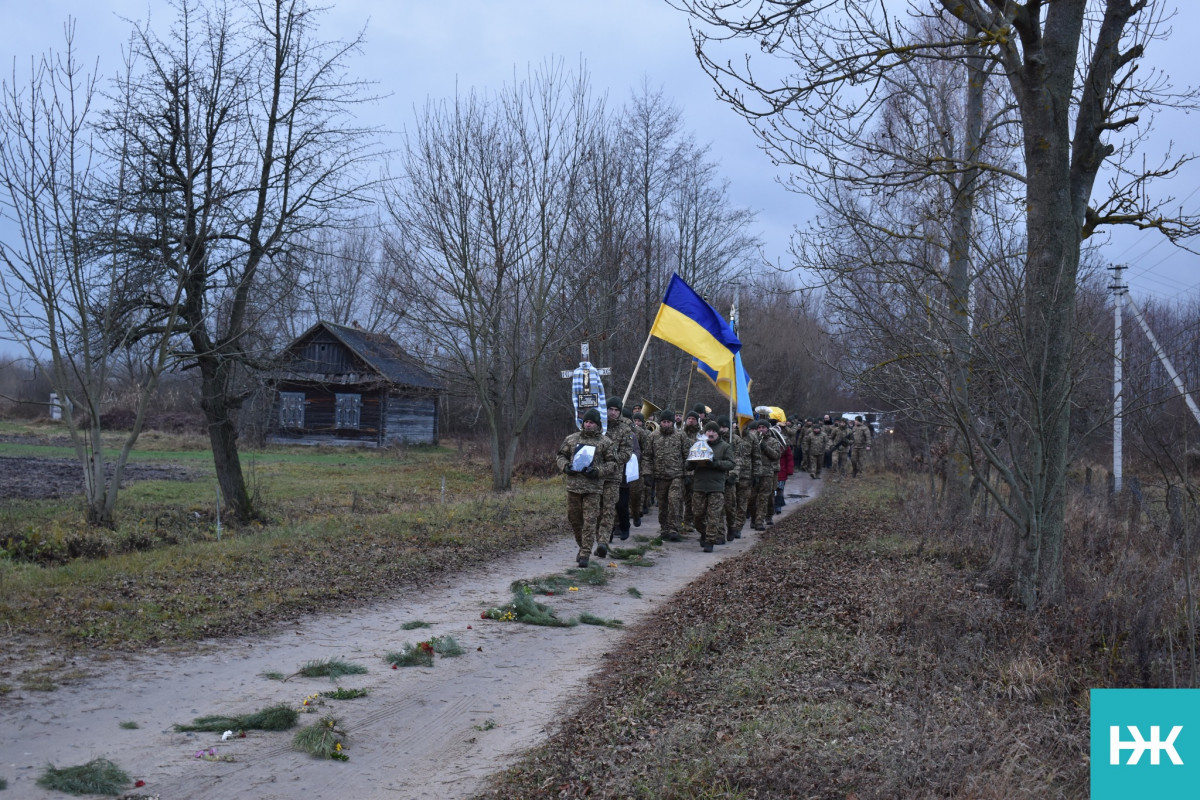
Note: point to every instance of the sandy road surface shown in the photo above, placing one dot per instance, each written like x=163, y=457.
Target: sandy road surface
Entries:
x=421, y=732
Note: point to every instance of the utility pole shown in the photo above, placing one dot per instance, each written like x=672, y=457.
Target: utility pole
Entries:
x=1119, y=290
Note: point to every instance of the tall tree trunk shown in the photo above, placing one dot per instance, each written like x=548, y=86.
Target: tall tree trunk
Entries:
x=958, y=467
x=1050, y=287
x=222, y=434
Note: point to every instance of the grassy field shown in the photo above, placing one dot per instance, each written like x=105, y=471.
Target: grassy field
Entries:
x=346, y=526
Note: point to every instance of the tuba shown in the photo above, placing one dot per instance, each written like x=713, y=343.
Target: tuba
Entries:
x=650, y=412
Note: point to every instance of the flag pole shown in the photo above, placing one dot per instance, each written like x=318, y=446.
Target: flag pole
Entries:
x=688, y=392
x=629, y=386
x=733, y=390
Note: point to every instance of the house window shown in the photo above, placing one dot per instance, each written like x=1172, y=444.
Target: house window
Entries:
x=291, y=409
x=347, y=410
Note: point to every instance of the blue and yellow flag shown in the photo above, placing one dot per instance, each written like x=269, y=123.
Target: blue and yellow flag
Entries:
x=733, y=382
x=685, y=320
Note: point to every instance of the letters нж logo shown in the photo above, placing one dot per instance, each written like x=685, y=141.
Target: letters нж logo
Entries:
x=1139, y=745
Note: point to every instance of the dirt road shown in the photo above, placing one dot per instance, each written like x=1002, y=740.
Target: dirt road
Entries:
x=421, y=733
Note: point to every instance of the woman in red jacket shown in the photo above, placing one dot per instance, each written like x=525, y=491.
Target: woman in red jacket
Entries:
x=786, y=468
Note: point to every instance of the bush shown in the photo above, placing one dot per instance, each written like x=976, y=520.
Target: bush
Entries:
x=118, y=419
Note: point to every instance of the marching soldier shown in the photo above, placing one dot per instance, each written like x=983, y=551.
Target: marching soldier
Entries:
x=839, y=446
x=708, y=488
x=827, y=427
x=585, y=482
x=814, y=449
x=615, y=505
x=641, y=489
x=733, y=525
x=666, y=456
x=860, y=436
x=691, y=432
x=766, y=467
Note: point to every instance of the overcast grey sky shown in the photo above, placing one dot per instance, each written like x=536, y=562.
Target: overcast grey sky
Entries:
x=418, y=49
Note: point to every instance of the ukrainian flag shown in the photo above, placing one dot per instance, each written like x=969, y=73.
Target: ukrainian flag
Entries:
x=685, y=320
x=733, y=382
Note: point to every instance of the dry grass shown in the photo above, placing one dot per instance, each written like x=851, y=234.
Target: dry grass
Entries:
x=840, y=658
x=326, y=551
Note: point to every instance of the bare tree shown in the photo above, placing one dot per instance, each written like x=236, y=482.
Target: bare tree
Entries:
x=341, y=276
x=65, y=287
x=485, y=215
x=243, y=147
x=1071, y=73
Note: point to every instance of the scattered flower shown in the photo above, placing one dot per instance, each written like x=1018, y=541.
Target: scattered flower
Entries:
x=394, y=666
x=614, y=566
x=468, y=627
x=573, y=589
x=139, y=784
x=225, y=736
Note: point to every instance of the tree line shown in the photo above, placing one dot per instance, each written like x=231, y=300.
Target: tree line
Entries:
x=199, y=209
x=963, y=154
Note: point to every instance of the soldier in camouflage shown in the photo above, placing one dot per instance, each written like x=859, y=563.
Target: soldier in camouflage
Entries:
x=860, y=443
x=585, y=487
x=640, y=489
x=708, y=488
x=766, y=467
x=750, y=502
x=691, y=432
x=839, y=447
x=814, y=449
x=733, y=527
x=614, y=507
x=665, y=458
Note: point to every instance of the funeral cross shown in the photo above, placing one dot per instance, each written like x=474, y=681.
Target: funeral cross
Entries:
x=583, y=394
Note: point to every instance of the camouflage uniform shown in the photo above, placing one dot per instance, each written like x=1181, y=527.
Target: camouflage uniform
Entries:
x=708, y=493
x=827, y=428
x=691, y=430
x=814, y=450
x=621, y=432
x=766, y=467
x=839, y=446
x=640, y=490
x=749, y=502
x=665, y=457
x=743, y=456
x=733, y=525
x=583, y=492
x=860, y=438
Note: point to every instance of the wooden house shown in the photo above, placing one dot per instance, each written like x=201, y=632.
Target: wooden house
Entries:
x=345, y=385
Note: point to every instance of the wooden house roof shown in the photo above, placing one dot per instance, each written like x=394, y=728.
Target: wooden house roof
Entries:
x=377, y=351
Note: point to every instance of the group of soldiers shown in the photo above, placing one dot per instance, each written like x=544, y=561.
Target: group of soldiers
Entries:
x=713, y=490
x=833, y=443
